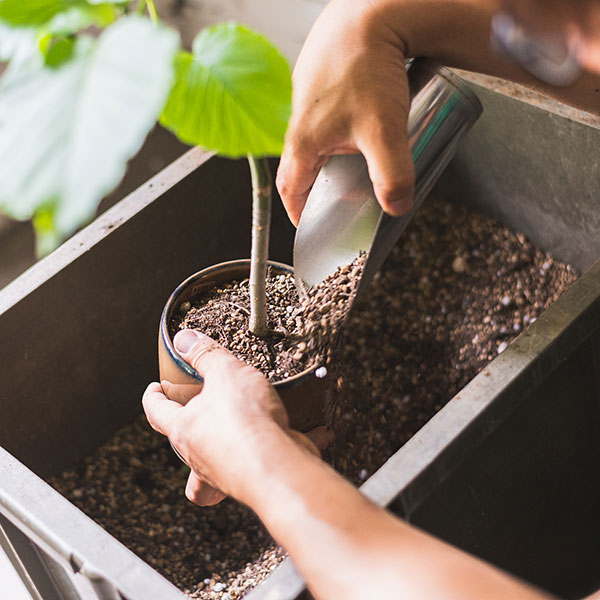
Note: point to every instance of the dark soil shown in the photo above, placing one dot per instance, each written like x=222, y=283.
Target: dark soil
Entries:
x=453, y=294
x=300, y=330
x=456, y=290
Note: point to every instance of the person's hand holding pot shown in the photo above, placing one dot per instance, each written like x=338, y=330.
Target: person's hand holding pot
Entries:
x=350, y=95
x=231, y=423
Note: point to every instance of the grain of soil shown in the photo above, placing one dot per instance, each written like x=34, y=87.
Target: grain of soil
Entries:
x=455, y=291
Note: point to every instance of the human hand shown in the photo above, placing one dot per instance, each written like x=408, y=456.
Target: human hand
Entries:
x=350, y=95
x=220, y=429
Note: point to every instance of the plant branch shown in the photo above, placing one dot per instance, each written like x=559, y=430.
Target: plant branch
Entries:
x=152, y=11
x=148, y=4
x=259, y=254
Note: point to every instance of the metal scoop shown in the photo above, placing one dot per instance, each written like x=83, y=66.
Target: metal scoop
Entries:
x=342, y=218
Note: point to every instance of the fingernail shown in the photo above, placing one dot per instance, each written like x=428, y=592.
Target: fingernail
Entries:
x=185, y=340
x=400, y=207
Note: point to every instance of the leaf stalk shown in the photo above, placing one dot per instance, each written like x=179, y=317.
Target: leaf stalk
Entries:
x=152, y=11
x=144, y=5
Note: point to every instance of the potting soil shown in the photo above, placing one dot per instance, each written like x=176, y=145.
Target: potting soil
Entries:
x=300, y=330
x=455, y=291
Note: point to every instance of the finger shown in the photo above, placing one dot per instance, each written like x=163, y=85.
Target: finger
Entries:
x=295, y=177
x=304, y=441
x=391, y=169
x=202, y=352
x=160, y=411
x=321, y=437
x=181, y=393
x=201, y=493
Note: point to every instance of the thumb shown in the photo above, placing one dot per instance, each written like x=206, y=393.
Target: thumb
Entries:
x=200, y=492
x=391, y=171
x=202, y=352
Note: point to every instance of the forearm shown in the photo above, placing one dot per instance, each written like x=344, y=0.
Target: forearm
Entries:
x=345, y=546
x=457, y=34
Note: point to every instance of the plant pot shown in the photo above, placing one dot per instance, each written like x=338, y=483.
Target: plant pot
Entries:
x=303, y=394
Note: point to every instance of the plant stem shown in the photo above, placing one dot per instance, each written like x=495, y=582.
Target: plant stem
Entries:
x=152, y=11
x=259, y=254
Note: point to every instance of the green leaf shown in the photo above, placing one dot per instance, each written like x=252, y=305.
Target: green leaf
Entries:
x=33, y=13
x=67, y=133
x=232, y=95
x=57, y=50
x=46, y=236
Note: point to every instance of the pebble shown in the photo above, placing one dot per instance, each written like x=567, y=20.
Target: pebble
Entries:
x=502, y=347
x=459, y=264
x=321, y=372
x=506, y=300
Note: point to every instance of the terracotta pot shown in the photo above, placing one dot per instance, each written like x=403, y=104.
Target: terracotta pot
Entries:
x=303, y=394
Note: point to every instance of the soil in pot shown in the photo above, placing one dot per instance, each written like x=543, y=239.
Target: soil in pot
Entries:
x=453, y=294
x=300, y=330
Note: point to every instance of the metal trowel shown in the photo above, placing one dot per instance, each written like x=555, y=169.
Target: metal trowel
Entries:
x=342, y=219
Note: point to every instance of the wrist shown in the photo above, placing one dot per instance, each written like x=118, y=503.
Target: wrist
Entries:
x=274, y=462
x=449, y=31
x=265, y=445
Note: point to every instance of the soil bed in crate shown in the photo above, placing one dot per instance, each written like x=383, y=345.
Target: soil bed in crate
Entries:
x=454, y=292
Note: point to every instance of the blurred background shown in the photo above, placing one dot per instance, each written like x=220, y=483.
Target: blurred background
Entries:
x=285, y=22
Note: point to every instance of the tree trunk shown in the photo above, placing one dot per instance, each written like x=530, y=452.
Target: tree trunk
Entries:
x=259, y=254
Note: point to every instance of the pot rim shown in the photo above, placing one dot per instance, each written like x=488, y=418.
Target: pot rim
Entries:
x=170, y=304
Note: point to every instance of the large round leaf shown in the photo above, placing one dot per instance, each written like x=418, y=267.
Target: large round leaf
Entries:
x=67, y=133
x=232, y=95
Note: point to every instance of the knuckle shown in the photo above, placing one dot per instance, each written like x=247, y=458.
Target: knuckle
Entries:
x=200, y=352
x=284, y=186
x=301, y=145
x=178, y=436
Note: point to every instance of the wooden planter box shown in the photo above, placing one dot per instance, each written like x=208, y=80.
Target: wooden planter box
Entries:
x=507, y=470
